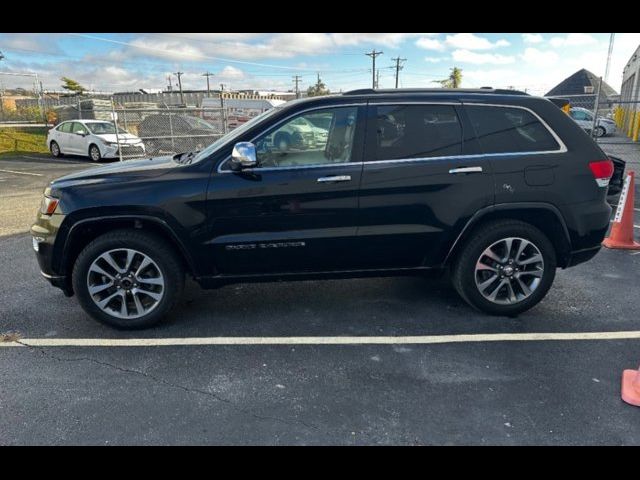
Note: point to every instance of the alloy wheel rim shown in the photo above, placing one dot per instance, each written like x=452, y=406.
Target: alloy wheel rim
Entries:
x=509, y=271
x=95, y=153
x=54, y=149
x=125, y=283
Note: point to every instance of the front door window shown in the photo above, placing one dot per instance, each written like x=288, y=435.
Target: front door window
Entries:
x=319, y=137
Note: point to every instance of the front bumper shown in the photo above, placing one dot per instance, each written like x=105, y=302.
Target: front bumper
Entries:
x=44, y=232
x=129, y=151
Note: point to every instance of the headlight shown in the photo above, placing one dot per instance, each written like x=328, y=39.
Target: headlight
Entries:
x=48, y=205
x=110, y=144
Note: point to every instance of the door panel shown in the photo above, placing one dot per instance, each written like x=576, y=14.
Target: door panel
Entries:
x=417, y=188
x=299, y=211
x=76, y=141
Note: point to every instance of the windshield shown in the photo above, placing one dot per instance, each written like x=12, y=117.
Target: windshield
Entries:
x=103, y=128
x=234, y=134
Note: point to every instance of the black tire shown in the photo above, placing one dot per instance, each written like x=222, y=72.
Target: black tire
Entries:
x=463, y=269
x=282, y=141
x=600, y=131
x=155, y=248
x=54, y=148
x=94, y=153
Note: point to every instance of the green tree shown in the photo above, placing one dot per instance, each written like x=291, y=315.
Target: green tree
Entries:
x=453, y=80
x=72, y=85
x=318, y=89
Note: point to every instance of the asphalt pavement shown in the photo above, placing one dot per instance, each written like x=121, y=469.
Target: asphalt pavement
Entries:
x=546, y=392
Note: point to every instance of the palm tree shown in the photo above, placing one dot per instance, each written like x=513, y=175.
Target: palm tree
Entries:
x=453, y=81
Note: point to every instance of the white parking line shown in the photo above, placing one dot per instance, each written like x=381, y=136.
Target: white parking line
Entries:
x=21, y=173
x=368, y=340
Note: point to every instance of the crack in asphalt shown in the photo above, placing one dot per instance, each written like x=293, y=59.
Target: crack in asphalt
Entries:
x=166, y=383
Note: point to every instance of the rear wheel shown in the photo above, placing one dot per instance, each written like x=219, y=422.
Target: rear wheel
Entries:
x=505, y=268
x=128, y=279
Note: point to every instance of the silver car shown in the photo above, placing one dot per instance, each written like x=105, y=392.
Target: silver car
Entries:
x=584, y=118
x=95, y=139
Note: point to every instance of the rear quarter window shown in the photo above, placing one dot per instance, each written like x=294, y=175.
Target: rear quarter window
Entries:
x=510, y=130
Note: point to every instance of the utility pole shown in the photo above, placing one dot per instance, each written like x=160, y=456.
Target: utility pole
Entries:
x=378, y=78
x=398, y=67
x=1, y=94
x=297, y=79
x=169, y=85
x=208, y=89
x=373, y=54
x=606, y=70
x=179, y=74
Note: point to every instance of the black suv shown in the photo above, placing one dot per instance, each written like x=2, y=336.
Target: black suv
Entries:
x=497, y=186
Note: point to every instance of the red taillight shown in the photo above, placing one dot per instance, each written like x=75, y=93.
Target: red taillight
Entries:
x=602, y=171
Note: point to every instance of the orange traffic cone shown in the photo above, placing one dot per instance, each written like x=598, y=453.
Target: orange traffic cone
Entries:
x=621, y=235
x=631, y=387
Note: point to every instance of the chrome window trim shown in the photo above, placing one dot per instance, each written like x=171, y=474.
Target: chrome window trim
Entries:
x=562, y=148
x=279, y=122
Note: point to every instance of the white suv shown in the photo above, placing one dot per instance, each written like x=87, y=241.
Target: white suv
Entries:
x=95, y=139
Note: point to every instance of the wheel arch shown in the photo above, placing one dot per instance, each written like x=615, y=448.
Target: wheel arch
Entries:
x=544, y=216
x=87, y=229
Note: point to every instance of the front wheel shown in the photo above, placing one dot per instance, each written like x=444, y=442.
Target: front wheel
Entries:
x=55, y=149
x=505, y=268
x=600, y=131
x=94, y=153
x=128, y=279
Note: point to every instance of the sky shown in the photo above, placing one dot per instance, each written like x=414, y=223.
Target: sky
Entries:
x=268, y=61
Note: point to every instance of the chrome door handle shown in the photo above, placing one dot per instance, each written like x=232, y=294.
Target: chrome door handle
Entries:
x=336, y=178
x=466, y=170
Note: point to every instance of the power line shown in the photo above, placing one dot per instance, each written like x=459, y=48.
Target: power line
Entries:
x=398, y=67
x=373, y=54
x=183, y=54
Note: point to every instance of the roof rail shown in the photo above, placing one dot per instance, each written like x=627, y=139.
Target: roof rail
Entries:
x=400, y=91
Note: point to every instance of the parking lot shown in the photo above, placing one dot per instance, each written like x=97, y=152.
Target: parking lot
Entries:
x=369, y=361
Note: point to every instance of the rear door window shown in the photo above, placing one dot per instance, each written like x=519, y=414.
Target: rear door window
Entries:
x=414, y=131
x=510, y=130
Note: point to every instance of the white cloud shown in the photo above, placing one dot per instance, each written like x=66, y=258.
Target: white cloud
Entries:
x=391, y=40
x=231, y=73
x=573, y=40
x=539, y=58
x=481, y=58
x=532, y=38
x=469, y=41
x=433, y=59
x=429, y=44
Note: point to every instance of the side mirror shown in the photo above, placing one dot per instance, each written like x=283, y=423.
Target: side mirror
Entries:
x=82, y=133
x=244, y=155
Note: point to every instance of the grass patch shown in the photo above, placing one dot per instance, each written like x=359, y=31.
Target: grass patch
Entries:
x=14, y=140
x=9, y=337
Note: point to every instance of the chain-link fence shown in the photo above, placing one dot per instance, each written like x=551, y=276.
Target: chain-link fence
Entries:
x=139, y=131
x=165, y=131
x=613, y=123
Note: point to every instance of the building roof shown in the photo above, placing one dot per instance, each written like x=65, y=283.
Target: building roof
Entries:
x=574, y=85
